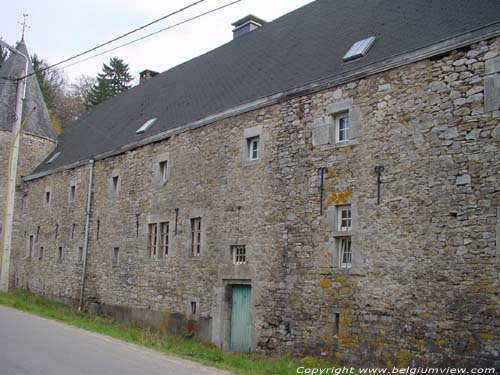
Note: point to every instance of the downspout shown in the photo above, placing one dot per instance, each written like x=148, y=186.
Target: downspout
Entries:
x=87, y=230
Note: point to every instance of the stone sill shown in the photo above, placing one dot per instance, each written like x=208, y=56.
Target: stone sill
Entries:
x=339, y=145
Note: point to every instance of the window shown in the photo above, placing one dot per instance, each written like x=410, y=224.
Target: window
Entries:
x=163, y=171
x=30, y=246
x=152, y=248
x=37, y=233
x=98, y=229
x=238, y=253
x=59, y=255
x=193, y=307
x=196, y=237
x=80, y=254
x=47, y=198
x=146, y=126
x=57, y=231
x=344, y=218
x=116, y=256
x=164, y=227
x=73, y=231
x=342, y=127
x=345, y=250
x=72, y=193
x=40, y=254
x=253, y=148
x=114, y=183
x=359, y=49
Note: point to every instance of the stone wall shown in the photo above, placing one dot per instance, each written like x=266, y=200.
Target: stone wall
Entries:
x=32, y=151
x=423, y=288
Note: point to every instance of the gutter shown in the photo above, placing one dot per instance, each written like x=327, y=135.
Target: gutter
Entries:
x=87, y=230
x=462, y=40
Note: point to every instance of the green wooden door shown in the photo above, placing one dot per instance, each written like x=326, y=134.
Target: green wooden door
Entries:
x=240, y=318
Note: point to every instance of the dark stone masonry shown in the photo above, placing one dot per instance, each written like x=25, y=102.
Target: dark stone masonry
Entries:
x=358, y=221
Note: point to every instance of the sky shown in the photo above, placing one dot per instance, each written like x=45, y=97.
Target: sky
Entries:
x=61, y=29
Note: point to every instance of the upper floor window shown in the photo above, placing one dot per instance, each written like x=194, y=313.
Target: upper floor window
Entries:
x=114, y=182
x=342, y=127
x=345, y=250
x=163, y=171
x=196, y=237
x=344, y=219
x=253, y=148
x=152, y=238
x=239, y=254
x=72, y=193
x=47, y=198
x=164, y=228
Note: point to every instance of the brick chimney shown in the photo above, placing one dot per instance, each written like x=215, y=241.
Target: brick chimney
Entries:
x=246, y=25
x=146, y=75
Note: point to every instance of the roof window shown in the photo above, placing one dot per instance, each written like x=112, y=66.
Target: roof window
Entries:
x=146, y=126
x=359, y=49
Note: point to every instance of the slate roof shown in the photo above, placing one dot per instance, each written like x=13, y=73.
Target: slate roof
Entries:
x=301, y=47
x=39, y=123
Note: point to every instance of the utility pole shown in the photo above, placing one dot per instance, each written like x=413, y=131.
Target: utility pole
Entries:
x=12, y=173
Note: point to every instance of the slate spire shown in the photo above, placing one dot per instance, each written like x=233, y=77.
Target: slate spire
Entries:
x=39, y=123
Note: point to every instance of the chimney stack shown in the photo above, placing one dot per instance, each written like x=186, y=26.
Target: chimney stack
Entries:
x=146, y=75
x=246, y=25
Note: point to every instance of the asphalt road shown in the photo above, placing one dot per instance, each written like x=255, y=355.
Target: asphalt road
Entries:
x=30, y=345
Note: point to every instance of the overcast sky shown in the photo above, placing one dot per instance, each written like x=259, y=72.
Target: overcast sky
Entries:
x=60, y=29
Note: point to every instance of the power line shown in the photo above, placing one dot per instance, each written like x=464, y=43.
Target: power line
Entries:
x=115, y=39
x=149, y=35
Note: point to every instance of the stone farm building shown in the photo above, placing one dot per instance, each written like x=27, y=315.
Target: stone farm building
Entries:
x=327, y=183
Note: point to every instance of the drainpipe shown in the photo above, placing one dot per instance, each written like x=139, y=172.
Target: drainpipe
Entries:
x=87, y=230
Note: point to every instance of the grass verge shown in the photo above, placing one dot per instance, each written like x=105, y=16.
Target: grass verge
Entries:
x=184, y=347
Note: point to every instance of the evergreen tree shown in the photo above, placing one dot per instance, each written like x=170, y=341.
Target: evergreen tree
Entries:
x=114, y=79
x=51, y=81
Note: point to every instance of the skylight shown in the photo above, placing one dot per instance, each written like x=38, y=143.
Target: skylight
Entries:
x=146, y=126
x=53, y=157
x=359, y=49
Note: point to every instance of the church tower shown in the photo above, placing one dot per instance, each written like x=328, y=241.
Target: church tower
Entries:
x=37, y=139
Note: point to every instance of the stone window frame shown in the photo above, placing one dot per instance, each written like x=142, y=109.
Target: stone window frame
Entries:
x=337, y=235
x=196, y=214
x=72, y=192
x=249, y=135
x=325, y=128
x=161, y=178
x=236, y=258
x=114, y=183
x=492, y=84
x=189, y=307
x=157, y=220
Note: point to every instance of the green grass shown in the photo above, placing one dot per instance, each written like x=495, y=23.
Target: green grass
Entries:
x=184, y=347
